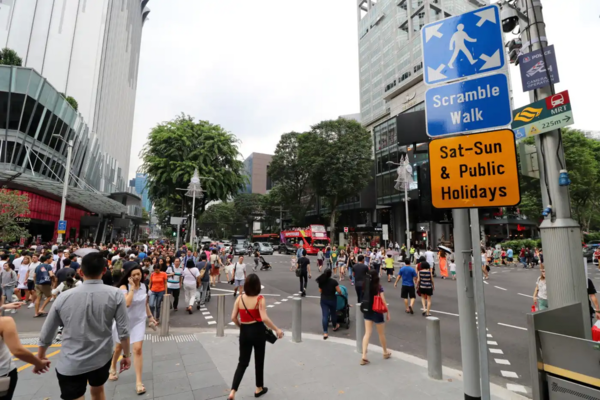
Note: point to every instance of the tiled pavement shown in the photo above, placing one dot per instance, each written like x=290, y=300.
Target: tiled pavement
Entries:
x=200, y=367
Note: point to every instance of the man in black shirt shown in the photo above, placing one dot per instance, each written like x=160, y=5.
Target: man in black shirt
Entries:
x=360, y=271
x=74, y=264
x=304, y=267
x=64, y=272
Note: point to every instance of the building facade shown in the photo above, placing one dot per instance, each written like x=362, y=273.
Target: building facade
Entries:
x=87, y=50
x=392, y=94
x=256, y=168
x=139, y=183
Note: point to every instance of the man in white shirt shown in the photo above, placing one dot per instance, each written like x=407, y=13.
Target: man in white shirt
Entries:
x=17, y=262
x=239, y=276
x=430, y=257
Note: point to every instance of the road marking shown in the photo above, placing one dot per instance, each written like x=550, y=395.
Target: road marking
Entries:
x=206, y=313
x=501, y=288
x=516, y=388
x=212, y=322
x=277, y=302
x=512, y=326
x=270, y=306
x=501, y=361
x=509, y=374
x=290, y=297
x=208, y=317
x=495, y=272
x=525, y=295
x=491, y=342
x=47, y=356
x=284, y=299
x=232, y=323
x=314, y=297
x=496, y=351
x=488, y=335
x=444, y=312
x=486, y=282
x=222, y=290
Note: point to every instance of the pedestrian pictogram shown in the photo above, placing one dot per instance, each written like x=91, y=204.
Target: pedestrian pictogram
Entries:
x=463, y=45
x=471, y=171
x=62, y=226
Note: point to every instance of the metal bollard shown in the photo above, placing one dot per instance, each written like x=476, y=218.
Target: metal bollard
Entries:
x=360, y=328
x=221, y=315
x=297, y=320
x=434, y=348
x=165, y=315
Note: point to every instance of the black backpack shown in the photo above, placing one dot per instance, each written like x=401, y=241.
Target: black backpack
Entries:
x=367, y=303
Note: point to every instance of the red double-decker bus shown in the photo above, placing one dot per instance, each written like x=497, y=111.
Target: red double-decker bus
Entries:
x=312, y=239
x=272, y=238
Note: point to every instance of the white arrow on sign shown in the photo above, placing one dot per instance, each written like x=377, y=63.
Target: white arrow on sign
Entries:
x=436, y=74
x=491, y=62
x=431, y=31
x=486, y=15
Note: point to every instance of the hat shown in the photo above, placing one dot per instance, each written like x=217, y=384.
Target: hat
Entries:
x=132, y=256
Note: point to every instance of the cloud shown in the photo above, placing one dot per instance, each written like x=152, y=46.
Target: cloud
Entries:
x=259, y=69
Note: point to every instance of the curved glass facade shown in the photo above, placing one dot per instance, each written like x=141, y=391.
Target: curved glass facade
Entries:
x=31, y=112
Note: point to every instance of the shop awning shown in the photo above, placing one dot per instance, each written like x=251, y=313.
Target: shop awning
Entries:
x=92, y=201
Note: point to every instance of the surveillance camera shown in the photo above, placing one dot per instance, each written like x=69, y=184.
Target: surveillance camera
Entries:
x=510, y=19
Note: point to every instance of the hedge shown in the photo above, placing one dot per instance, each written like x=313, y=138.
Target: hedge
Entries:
x=517, y=244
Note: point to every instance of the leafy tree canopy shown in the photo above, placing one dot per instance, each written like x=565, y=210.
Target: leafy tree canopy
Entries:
x=174, y=149
x=12, y=205
x=10, y=57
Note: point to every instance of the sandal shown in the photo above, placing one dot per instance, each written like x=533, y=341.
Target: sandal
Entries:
x=140, y=389
x=387, y=355
x=337, y=328
x=364, y=362
x=113, y=375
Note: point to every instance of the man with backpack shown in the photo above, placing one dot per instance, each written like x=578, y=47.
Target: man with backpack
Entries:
x=43, y=285
x=117, y=267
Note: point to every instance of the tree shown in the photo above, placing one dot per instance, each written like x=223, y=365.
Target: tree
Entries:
x=10, y=57
x=290, y=172
x=13, y=204
x=218, y=220
x=71, y=101
x=338, y=155
x=174, y=149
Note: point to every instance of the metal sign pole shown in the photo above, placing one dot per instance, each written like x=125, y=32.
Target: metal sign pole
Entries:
x=480, y=304
x=178, y=229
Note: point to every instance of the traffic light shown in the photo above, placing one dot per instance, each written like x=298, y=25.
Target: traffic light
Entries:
x=425, y=236
x=174, y=233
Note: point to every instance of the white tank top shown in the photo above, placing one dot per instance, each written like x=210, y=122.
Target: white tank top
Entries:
x=6, y=363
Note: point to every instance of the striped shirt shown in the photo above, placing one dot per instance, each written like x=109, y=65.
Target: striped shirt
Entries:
x=174, y=282
x=425, y=279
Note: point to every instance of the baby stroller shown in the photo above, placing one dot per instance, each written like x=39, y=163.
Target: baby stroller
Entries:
x=206, y=298
x=343, y=308
x=265, y=265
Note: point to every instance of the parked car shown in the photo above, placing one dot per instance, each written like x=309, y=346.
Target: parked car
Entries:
x=264, y=248
x=227, y=245
x=240, y=250
x=589, y=249
x=287, y=248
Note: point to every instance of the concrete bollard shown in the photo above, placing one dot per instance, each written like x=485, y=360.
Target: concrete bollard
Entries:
x=297, y=320
x=360, y=328
x=221, y=315
x=165, y=315
x=434, y=348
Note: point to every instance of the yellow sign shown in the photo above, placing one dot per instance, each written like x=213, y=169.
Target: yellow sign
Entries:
x=528, y=114
x=533, y=131
x=472, y=171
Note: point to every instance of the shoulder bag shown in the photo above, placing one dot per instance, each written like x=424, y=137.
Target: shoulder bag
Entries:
x=379, y=305
x=269, y=334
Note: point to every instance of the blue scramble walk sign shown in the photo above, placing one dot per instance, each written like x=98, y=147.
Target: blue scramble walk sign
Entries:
x=464, y=45
x=467, y=106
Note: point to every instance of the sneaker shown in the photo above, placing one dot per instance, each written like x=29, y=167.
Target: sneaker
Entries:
x=58, y=337
x=31, y=305
x=51, y=300
x=13, y=311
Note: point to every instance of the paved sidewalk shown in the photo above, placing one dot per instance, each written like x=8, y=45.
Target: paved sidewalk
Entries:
x=200, y=367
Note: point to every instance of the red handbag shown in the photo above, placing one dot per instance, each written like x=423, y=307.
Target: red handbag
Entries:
x=379, y=305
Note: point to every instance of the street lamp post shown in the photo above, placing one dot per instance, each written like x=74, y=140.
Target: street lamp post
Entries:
x=63, y=204
x=404, y=177
x=194, y=190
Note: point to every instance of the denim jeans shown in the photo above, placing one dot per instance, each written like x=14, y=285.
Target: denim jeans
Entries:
x=350, y=274
x=328, y=308
x=202, y=292
x=156, y=299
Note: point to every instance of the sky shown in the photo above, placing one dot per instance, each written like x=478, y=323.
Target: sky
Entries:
x=260, y=69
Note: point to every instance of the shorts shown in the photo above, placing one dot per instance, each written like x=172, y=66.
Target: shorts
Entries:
x=30, y=285
x=453, y=273
x=74, y=387
x=427, y=292
x=408, y=292
x=374, y=317
x=376, y=267
x=45, y=290
x=509, y=259
x=390, y=271
x=320, y=263
x=239, y=282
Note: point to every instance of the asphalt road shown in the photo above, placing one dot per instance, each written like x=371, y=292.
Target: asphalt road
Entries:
x=508, y=296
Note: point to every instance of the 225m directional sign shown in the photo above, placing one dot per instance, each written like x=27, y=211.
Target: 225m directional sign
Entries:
x=466, y=106
x=544, y=115
x=463, y=45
